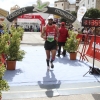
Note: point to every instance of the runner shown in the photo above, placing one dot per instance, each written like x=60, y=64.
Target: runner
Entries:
x=50, y=35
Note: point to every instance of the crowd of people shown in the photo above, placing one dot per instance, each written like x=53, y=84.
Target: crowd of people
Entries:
x=56, y=36
x=32, y=29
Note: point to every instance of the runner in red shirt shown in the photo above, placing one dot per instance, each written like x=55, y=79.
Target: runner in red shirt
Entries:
x=50, y=35
x=63, y=35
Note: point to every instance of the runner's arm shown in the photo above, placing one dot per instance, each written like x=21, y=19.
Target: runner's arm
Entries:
x=43, y=33
x=57, y=30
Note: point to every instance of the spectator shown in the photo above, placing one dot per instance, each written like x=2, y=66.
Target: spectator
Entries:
x=63, y=34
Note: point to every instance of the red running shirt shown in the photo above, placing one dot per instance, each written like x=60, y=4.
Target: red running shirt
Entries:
x=63, y=34
x=51, y=30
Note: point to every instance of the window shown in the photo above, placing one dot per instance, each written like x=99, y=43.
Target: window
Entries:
x=92, y=0
x=62, y=4
x=55, y=4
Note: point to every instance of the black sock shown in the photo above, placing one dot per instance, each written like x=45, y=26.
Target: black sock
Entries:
x=47, y=62
x=52, y=60
x=52, y=66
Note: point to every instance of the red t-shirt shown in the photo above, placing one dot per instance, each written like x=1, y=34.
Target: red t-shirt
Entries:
x=51, y=30
x=63, y=34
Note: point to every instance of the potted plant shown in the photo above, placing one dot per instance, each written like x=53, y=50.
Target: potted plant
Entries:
x=4, y=38
x=13, y=51
x=3, y=83
x=21, y=31
x=72, y=44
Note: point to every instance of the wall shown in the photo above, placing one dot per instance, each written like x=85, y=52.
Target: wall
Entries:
x=88, y=3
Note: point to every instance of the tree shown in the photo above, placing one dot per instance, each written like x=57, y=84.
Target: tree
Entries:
x=92, y=13
x=74, y=13
x=64, y=20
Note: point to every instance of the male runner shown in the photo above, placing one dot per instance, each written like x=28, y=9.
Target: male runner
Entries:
x=50, y=35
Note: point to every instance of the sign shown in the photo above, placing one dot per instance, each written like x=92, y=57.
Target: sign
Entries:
x=80, y=13
x=30, y=16
x=91, y=22
x=90, y=51
x=41, y=7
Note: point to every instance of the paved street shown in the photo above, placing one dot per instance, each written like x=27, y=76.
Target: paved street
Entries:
x=73, y=91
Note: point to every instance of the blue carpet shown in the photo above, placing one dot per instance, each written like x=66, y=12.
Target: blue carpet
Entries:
x=33, y=70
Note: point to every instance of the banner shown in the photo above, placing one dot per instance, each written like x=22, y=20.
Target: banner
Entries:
x=31, y=16
x=80, y=13
x=41, y=7
x=90, y=51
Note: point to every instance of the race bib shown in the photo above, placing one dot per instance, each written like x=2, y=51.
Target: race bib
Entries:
x=50, y=37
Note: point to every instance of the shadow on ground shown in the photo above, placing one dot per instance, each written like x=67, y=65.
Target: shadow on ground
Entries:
x=47, y=83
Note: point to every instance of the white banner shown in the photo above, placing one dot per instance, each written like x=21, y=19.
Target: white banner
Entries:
x=80, y=13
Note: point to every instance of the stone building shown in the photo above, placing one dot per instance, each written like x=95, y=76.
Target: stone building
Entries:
x=12, y=9
x=3, y=15
x=77, y=4
x=64, y=5
x=89, y=3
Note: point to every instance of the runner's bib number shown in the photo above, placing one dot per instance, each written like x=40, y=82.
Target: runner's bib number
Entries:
x=50, y=38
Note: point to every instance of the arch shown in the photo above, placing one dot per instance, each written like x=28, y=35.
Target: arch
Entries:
x=30, y=16
x=41, y=7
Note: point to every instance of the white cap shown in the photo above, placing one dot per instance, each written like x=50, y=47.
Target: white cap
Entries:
x=51, y=17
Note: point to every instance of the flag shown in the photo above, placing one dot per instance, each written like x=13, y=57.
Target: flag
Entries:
x=81, y=12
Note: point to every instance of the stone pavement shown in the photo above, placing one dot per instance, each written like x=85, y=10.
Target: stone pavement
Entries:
x=89, y=93
x=71, y=97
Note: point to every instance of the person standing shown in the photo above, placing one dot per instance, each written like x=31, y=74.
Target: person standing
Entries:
x=1, y=29
x=63, y=35
x=50, y=35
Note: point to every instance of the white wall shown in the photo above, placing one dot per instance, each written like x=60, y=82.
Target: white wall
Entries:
x=72, y=7
x=88, y=3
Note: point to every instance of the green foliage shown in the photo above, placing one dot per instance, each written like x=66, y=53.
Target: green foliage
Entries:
x=13, y=51
x=64, y=20
x=3, y=83
x=20, y=30
x=2, y=70
x=74, y=13
x=4, y=38
x=92, y=13
x=5, y=27
x=72, y=42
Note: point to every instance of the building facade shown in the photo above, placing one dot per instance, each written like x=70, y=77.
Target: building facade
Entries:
x=77, y=4
x=88, y=4
x=64, y=5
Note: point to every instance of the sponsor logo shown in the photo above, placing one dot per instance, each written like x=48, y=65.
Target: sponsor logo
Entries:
x=41, y=6
x=97, y=47
x=16, y=13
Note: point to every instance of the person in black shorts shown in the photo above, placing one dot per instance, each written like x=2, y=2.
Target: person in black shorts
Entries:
x=50, y=35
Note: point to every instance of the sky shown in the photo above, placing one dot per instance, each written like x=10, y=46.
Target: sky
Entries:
x=7, y=4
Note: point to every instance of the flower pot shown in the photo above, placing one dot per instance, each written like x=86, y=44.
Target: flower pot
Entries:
x=11, y=65
x=73, y=56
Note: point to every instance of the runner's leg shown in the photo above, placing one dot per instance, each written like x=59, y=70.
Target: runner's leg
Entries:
x=48, y=57
x=53, y=52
